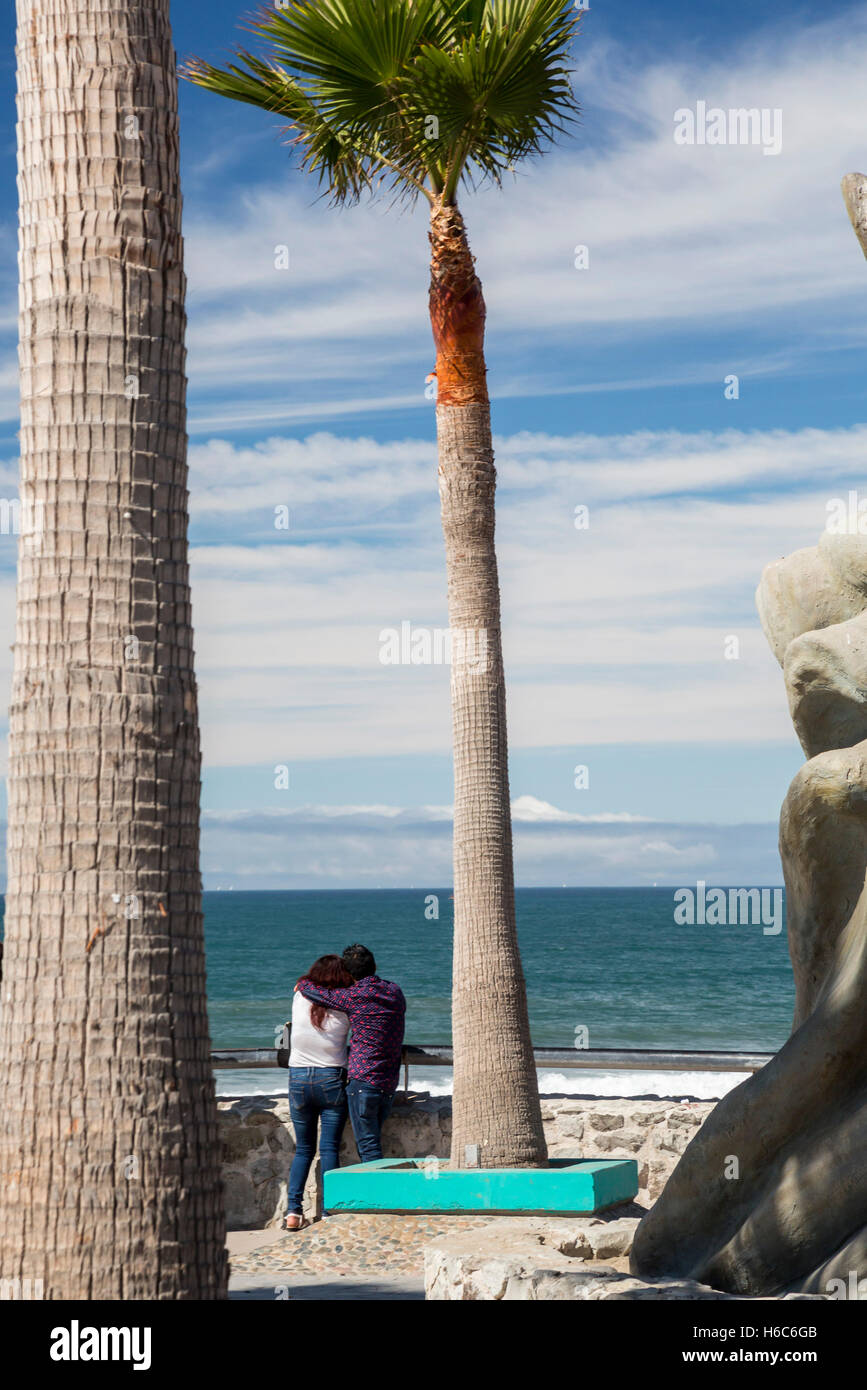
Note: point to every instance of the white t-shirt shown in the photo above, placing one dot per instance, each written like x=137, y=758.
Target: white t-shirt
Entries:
x=317, y=1047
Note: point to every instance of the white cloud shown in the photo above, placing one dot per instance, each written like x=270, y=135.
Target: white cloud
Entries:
x=614, y=634
x=529, y=809
x=386, y=847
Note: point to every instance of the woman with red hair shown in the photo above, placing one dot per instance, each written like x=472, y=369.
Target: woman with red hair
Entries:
x=317, y=1081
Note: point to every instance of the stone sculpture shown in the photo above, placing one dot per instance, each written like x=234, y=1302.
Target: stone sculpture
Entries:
x=771, y=1195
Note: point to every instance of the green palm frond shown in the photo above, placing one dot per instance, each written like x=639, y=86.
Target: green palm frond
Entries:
x=418, y=93
x=262, y=84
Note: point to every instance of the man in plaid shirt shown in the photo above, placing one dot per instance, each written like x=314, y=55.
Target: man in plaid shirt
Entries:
x=376, y=1009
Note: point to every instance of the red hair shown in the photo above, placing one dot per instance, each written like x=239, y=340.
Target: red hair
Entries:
x=328, y=972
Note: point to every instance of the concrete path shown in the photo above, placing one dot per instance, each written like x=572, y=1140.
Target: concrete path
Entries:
x=365, y=1256
x=376, y=1256
x=279, y=1282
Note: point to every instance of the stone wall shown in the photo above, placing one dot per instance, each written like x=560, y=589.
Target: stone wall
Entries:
x=654, y=1132
x=547, y=1260
x=258, y=1143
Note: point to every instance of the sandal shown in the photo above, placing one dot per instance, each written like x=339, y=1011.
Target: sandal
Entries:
x=294, y=1222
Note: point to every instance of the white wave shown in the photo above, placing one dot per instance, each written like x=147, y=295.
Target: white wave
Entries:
x=663, y=1085
x=260, y=1081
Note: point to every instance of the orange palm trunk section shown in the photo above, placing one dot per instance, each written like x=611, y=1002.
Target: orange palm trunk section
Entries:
x=457, y=312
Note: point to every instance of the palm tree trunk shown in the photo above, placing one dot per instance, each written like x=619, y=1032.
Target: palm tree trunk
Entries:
x=496, y=1098
x=109, y=1163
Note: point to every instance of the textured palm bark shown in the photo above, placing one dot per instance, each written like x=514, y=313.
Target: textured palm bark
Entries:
x=496, y=1098
x=791, y=1216
x=109, y=1160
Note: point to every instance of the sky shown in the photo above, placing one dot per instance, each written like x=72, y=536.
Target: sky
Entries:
x=633, y=649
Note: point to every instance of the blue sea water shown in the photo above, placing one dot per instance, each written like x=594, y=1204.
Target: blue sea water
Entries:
x=610, y=960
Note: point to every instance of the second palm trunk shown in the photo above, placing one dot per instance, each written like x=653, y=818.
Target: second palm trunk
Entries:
x=497, y=1115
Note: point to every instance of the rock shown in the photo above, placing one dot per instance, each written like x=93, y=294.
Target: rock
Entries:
x=675, y=1140
x=614, y=1240
x=798, y=1127
x=537, y=1264
x=824, y=674
x=659, y=1171
x=619, y=1143
x=265, y=1119
x=650, y=1115
x=561, y=1147
x=570, y=1125
x=681, y=1115
x=602, y=1120
x=263, y=1169
x=854, y=189
x=656, y=1290
x=575, y=1243
x=801, y=593
x=238, y=1142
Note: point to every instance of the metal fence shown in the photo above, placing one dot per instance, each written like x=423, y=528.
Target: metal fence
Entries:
x=565, y=1058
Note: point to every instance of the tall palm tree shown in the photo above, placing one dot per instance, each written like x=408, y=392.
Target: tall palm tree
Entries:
x=109, y=1158
x=423, y=97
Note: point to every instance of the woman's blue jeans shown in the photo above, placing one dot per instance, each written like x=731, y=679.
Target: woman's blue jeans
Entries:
x=316, y=1095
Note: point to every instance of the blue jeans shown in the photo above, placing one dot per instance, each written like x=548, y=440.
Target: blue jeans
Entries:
x=369, y=1108
x=315, y=1094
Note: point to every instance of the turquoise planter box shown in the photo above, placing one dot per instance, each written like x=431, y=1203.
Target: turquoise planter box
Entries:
x=566, y=1186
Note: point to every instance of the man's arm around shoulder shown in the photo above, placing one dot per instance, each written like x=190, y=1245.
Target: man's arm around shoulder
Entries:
x=334, y=998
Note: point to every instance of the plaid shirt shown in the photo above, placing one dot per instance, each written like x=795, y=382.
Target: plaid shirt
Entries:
x=376, y=1009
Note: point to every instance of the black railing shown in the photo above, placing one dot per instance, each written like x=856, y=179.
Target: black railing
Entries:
x=568, y=1058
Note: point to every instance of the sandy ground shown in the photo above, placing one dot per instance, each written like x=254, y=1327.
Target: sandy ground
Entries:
x=357, y=1256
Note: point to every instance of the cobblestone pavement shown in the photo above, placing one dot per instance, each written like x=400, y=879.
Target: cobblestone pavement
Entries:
x=359, y=1246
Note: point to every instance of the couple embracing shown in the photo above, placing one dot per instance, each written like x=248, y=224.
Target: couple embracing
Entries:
x=333, y=1077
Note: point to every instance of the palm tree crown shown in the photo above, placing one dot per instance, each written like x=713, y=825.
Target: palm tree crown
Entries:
x=417, y=94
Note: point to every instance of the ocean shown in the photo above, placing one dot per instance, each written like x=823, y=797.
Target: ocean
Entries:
x=612, y=961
